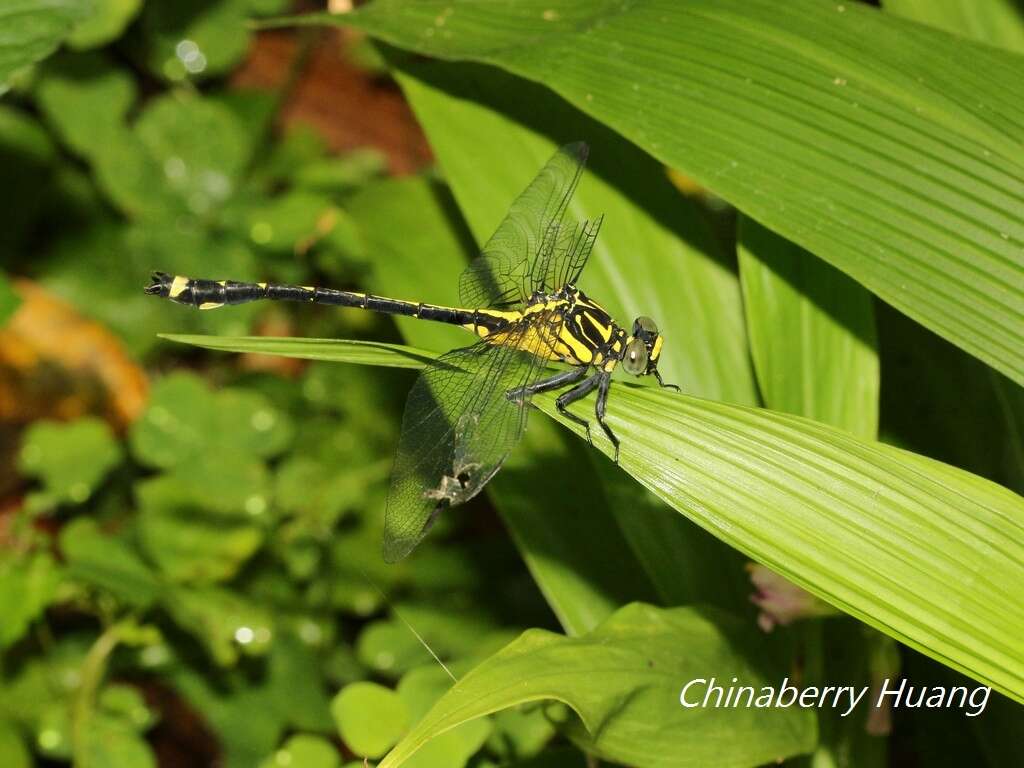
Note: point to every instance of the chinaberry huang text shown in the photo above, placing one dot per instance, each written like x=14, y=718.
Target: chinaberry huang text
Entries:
x=901, y=693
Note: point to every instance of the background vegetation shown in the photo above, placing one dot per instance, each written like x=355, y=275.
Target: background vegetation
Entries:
x=189, y=540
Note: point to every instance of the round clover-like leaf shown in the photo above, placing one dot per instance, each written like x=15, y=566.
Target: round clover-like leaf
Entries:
x=70, y=459
x=370, y=718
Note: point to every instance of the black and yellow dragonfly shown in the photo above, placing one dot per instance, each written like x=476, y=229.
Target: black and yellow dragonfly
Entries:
x=467, y=409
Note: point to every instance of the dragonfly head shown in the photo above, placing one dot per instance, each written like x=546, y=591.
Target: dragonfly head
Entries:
x=643, y=348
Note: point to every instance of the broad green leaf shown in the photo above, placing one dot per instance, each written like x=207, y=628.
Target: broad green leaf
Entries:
x=53, y=735
x=42, y=682
x=997, y=22
x=333, y=175
x=889, y=149
x=304, y=750
x=283, y=223
x=192, y=39
x=916, y=548
x=520, y=732
x=188, y=543
x=624, y=680
x=319, y=492
x=390, y=649
x=126, y=703
x=225, y=622
x=32, y=30
x=370, y=718
x=13, y=752
x=28, y=584
x=249, y=713
x=812, y=333
x=299, y=147
x=655, y=256
x=106, y=560
x=420, y=690
x=885, y=535
x=86, y=99
x=183, y=155
x=452, y=749
x=110, y=742
x=241, y=483
x=24, y=140
x=70, y=460
x=186, y=422
x=266, y=7
x=106, y=23
x=199, y=146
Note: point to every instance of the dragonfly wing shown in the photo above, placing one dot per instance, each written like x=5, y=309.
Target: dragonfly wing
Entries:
x=458, y=428
x=523, y=254
x=570, y=248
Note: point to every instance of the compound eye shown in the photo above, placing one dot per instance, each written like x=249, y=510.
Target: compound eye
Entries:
x=635, y=359
x=645, y=324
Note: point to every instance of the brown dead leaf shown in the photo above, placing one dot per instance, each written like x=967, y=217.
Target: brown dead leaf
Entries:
x=54, y=363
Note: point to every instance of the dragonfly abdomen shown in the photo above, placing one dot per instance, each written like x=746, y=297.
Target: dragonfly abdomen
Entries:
x=210, y=294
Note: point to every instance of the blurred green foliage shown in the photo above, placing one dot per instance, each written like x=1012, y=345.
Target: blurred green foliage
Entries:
x=201, y=584
x=220, y=554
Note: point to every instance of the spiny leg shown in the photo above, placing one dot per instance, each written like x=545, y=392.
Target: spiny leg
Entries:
x=557, y=381
x=578, y=392
x=603, y=386
x=657, y=375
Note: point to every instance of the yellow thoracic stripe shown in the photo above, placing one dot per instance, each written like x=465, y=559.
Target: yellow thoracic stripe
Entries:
x=656, y=349
x=549, y=336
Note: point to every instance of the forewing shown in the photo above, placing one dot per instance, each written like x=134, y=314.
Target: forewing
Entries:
x=570, y=252
x=458, y=428
x=521, y=255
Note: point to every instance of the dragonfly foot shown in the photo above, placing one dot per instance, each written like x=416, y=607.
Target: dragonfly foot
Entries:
x=663, y=385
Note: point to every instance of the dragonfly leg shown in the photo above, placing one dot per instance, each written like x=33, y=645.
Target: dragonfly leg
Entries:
x=603, y=386
x=657, y=375
x=578, y=392
x=557, y=381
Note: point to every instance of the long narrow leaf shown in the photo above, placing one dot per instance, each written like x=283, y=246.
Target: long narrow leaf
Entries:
x=918, y=549
x=330, y=350
x=575, y=556
x=812, y=337
x=997, y=22
x=812, y=333
x=887, y=148
x=655, y=256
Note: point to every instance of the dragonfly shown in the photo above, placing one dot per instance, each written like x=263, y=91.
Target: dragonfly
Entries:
x=468, y=408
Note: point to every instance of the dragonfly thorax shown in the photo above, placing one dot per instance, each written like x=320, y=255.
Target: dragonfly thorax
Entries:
x=565, y=325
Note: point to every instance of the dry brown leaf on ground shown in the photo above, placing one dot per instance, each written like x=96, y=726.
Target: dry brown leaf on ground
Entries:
x=55, y=363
